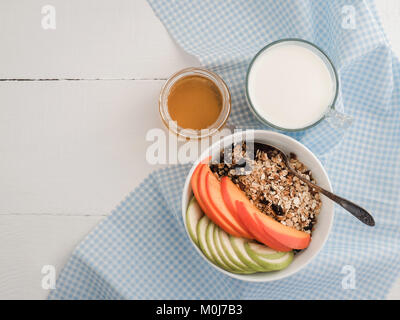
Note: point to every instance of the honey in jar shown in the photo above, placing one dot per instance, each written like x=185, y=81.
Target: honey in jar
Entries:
x=194, y=102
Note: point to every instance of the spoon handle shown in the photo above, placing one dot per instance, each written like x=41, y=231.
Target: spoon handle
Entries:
x=360, y=213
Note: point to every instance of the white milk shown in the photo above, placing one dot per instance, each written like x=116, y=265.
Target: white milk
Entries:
x=290, y=86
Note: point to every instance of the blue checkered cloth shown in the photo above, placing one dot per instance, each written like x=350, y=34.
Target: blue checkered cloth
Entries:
x=140, y=251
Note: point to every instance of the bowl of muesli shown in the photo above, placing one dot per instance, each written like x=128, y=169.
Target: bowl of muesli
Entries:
x=248, y=215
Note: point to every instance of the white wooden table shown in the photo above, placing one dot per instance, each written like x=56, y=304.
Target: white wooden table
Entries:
x=75, y=105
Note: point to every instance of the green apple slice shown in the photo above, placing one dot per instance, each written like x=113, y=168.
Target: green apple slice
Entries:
x=273, y=264
x=263, y=251
x=238, y=246
x=227, y=247
x=193, y=215
x=201, y=235
x=224, y=257
x=212, y=247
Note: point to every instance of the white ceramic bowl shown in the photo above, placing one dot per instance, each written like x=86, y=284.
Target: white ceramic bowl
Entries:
x=325, y=218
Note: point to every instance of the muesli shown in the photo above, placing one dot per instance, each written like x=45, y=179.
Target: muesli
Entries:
x=261, y=173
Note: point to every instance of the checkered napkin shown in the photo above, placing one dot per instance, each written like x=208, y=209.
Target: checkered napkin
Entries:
x=141, y=251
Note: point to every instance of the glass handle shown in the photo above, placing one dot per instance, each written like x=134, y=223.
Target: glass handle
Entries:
x=338, y=120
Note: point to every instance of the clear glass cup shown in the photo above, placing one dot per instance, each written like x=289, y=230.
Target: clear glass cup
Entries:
x=191, y=133
x=334, y=117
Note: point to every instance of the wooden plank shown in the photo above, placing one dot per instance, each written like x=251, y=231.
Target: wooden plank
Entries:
x=74, y=147
x=30, y=242
x=120, y=39
x=394, y=293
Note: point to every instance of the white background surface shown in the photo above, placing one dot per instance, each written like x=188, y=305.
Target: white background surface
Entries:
x=70, y=150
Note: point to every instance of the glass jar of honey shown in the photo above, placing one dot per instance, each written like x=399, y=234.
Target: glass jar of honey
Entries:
x=194, y=103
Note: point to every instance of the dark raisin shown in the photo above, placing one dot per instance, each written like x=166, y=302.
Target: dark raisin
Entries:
x=264, y=201
x=240, y=164
x=241, y=185
x=309, y=227
x=277, y=209
x=214, y=167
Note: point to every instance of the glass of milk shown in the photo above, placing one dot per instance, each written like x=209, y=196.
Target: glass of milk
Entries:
x=291, y=85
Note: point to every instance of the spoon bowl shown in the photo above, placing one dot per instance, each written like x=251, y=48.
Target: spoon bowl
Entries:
x=360, y=213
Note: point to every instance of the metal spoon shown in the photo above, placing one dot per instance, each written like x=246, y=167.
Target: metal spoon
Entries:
x=360, y=213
